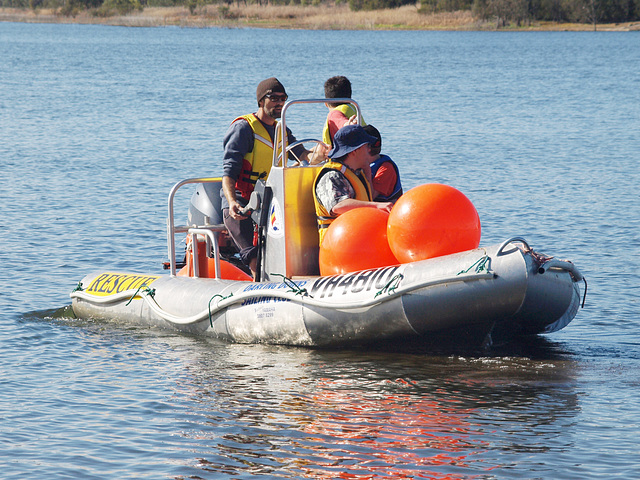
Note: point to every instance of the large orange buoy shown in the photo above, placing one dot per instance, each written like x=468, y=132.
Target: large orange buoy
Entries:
x=356, y=240
x=430, y=221
x=207, y=266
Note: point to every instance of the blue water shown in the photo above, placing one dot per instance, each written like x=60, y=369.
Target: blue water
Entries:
x=540, y=130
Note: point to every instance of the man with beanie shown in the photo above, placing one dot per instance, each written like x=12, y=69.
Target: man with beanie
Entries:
x=248, y=155
x=344, y=183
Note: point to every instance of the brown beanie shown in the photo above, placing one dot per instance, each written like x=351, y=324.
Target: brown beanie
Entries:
x=268, y=86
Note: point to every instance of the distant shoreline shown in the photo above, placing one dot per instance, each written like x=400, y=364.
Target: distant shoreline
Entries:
x=296, y=17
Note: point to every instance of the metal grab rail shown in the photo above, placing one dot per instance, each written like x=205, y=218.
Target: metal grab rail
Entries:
x=211, y=233
x=504, y=245
x=172, y=229
x=281, y=126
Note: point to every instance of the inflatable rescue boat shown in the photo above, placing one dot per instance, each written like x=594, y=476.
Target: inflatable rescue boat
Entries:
x=477, y=297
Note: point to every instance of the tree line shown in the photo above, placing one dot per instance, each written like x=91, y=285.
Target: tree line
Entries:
x=503, y=12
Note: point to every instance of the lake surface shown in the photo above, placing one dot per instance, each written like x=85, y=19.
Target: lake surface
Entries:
x=539, y=130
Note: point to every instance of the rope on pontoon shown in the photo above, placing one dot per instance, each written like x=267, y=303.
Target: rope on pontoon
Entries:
x=391, y=285
x=295, y=288
x=480, y=264
x=306, y=300
x=209, y=305
x=149, y=291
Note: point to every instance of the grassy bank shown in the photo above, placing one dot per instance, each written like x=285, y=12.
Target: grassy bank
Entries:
x=297, y=17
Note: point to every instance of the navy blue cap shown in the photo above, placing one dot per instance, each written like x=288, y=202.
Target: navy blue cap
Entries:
x=348, y=139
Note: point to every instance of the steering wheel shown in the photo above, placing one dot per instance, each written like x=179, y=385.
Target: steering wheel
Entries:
x=297, y=162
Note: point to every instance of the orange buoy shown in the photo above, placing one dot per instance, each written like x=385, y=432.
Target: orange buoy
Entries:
x=430, y=221
x=356, y=240
x=207, y=266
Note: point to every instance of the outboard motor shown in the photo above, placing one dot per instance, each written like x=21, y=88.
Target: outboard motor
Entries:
x=206, y=205
x=206, y=209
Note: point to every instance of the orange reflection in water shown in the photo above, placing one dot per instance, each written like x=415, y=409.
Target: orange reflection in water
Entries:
x=379, y=435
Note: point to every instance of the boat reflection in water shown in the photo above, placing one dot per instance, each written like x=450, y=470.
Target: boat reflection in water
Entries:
x=380, y=415
x=394, y=436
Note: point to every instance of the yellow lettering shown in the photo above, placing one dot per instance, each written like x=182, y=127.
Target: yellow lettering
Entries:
x=110, y=283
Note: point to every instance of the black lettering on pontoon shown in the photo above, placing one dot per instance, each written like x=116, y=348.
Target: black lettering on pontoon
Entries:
x=384, y=279
x=331, y=286
x=346, y=281
x=361, y=281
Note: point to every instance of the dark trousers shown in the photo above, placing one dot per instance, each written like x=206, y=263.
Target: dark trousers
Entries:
x=241, y=231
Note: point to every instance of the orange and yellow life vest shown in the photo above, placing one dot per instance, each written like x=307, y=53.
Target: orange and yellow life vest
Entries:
x=256, y=163
x=359, y=183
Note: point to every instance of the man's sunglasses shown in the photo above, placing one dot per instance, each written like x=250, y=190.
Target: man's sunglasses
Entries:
x=277, y=98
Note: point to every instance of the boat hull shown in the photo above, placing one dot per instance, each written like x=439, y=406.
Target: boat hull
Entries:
x=471, y=298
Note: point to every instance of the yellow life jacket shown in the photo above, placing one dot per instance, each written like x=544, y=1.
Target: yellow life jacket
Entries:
x=349, y=111
x=359, y=183
x=256, y=163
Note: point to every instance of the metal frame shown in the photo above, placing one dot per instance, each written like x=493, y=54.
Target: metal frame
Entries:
x=281, y=127
x=210, y=231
